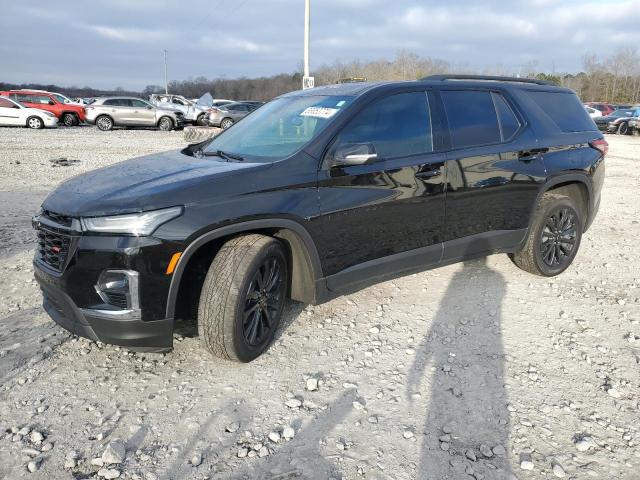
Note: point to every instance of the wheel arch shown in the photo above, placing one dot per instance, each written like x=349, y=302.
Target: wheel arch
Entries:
x=306, y=269
x=575, y=185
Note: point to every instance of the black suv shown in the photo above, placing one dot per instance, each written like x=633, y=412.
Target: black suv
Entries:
x=316, y=194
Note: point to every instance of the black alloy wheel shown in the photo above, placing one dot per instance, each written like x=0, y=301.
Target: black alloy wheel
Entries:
x=263, y=302
x=558, y=237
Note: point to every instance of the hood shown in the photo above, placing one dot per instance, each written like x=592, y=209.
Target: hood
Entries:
x=146, y=183
x=205, y=101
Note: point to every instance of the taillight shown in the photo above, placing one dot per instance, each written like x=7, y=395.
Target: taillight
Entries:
x=600, y=144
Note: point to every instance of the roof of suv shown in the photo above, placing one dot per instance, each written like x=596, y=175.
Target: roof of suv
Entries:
x=462, y=81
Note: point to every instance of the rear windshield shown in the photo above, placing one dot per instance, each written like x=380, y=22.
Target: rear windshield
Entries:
x=565, y=110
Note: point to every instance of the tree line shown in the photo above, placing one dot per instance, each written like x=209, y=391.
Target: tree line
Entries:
x=614, y=79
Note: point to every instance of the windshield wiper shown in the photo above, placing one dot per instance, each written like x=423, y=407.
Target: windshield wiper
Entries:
x=226, y=155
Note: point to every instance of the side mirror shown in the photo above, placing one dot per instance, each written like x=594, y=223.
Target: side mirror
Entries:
x=354, y=154
x=149, y=107
x=51, y=102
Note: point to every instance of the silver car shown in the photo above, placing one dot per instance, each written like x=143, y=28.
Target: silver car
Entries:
x=194, y=110
x=226, y=115
x=109, y=112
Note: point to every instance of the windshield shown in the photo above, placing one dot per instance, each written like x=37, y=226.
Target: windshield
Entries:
x=61, y=98
x=280, y=127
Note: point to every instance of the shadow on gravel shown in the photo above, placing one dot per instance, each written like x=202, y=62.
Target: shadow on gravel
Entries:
x=467, y=423
x=301, y=458
x=26, y=340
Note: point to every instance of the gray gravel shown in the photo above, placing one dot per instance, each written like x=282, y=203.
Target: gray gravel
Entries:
x=470, y=371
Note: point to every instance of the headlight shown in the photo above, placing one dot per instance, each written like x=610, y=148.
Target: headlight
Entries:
x=49, y=114
x=134, y=224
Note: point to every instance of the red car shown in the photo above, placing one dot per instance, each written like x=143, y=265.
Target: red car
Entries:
x=68, y=113
x=605, y=108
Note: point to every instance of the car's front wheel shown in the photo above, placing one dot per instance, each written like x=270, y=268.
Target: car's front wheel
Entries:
x=623, y=129
x=243, y=297
x=69, y=120
x=165, y=124
x=35, y=123
x=554, y=237
x=226, y=123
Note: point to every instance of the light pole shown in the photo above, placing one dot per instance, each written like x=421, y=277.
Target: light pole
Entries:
x=166, y=84
x=307, y=81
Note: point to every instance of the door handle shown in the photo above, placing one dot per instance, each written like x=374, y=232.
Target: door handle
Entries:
x=532, y=154
x=436, y=172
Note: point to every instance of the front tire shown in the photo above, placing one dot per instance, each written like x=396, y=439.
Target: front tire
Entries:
x=226, y=123
x=243, y=297
x=200, y=120
x=35, y=122
x=554, y=237
x=623, y=129
x=69, y=120
x=165, y=124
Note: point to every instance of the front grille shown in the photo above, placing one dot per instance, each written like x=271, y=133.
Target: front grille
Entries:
x=53, y=248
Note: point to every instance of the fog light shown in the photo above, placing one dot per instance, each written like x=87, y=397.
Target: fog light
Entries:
x=119, y=288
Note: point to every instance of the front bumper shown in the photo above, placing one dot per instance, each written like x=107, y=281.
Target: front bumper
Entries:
x=50, y=122
x=108, y=326
x=68, y=266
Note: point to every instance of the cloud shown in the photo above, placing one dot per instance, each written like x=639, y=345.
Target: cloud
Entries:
x=130, y=35
x=123, y=40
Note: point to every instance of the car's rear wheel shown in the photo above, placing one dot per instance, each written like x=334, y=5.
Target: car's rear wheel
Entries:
x=623, y=129
x=35, y=123
x=165, y=124
x=554, y=237
x=226, y=123
x=243, y=297
x=200, y=120
x=104, y=123
x=69, y=120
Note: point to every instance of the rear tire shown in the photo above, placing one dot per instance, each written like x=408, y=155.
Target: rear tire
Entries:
x=243, y=297
x=35, y=123
x=104, y=123
x=226, y=123
x=200, y=120
x=554, y=237
x=199, y=134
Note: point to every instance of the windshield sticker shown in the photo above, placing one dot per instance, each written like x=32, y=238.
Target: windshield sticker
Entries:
x=340, y=103
x=319, y=112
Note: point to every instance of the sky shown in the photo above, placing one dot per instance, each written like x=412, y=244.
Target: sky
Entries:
x=119, y=43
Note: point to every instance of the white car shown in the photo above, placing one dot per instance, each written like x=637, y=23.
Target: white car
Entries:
x=15, y=114
x=593, y=112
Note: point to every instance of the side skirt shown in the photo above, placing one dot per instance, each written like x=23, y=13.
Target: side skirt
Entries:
x=369, y=273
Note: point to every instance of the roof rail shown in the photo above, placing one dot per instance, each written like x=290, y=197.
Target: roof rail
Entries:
x=487, y=77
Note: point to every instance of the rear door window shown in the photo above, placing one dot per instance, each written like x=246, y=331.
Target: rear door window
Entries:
x=472, y=118
x=564, y=110
x=397, y=126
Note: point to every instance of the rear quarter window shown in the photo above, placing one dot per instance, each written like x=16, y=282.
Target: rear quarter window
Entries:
x=564, y=110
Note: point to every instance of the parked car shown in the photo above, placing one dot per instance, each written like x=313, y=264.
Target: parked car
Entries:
x=194, y=112
x=593, y=113
x=14, y=114
x=109, y=112
x=226, y=115
x=617, y=122
x=319, y=193
x=605, y=108
x=67, y=112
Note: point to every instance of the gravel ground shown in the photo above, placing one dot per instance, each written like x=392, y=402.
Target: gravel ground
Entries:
x=475, y=370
